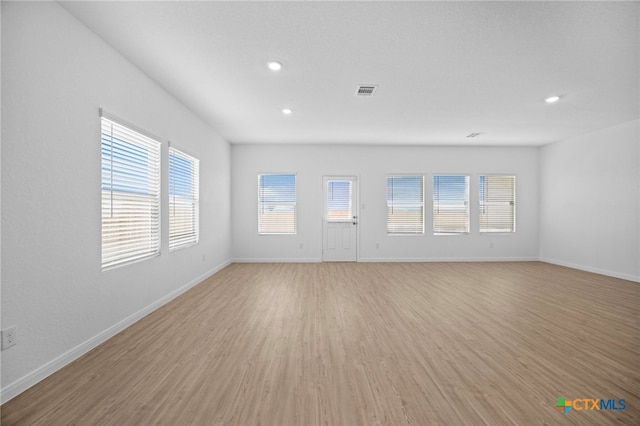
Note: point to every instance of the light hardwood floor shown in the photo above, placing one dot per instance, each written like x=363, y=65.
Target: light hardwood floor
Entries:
x=362, y=344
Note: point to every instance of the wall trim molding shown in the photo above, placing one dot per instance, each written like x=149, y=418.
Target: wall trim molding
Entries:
x=28, y=380
x=609, y=273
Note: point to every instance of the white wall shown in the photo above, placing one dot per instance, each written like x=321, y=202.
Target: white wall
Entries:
x=56, y=74
x=372, y=164
x=590, y=202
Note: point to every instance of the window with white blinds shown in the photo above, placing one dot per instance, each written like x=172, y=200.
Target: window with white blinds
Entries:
x=450, y=205
x=497, y=203
x=184, y=204
x=276, y=204
x=339, y=196
x=130, y=195
x=405, y=204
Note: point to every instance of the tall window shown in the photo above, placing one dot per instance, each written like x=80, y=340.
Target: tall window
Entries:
x=130, y=195
x=450, y=205
x=184, y=204
x=497, y=203
x=276, y=204
x=405, y=204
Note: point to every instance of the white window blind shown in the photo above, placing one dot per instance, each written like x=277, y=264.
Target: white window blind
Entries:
x=450, y=205
x=130, y=195
x=497, y=203
x=277, y=204
x=405, y=204
x=339, y=196
x=184, y=204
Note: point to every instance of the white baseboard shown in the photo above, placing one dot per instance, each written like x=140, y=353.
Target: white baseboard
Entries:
x=387, y=259
x=607, y=272
x=449, y=259
x=277, y=260
x=25, y=382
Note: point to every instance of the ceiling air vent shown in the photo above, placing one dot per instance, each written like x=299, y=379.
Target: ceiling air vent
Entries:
x=366, y=90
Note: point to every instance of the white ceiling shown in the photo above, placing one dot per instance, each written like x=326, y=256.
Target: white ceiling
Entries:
x=444, y=69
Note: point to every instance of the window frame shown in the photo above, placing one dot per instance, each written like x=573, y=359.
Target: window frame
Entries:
x=133, y=250
x=513, y=204
x=400, y=175
x=193, y=236
x=350, y=217
x=467, y=201
x=260, y=204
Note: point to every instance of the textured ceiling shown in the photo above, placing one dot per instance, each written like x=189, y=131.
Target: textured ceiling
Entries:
x=444, y=69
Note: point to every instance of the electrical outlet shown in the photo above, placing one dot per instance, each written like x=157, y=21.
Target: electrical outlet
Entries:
x=9, y=337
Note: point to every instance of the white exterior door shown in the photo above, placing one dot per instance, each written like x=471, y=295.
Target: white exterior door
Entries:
x=340, y=222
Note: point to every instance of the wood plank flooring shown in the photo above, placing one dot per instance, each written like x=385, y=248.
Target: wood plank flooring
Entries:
x=362, y=344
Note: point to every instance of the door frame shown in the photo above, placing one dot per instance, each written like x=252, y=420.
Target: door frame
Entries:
x=356, y=210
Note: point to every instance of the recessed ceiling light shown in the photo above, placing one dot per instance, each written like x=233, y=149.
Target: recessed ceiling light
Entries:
x=552, y=99
x=287, y=111
x=274, y=65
